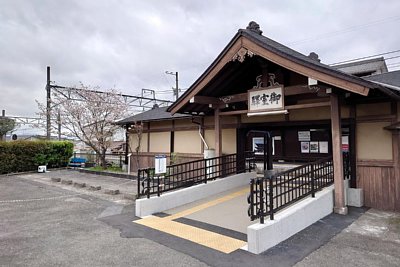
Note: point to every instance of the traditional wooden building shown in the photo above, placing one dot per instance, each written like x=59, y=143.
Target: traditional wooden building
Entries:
x=312, y=110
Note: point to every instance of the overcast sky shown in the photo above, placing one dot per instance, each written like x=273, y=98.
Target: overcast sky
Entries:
x=130, y=44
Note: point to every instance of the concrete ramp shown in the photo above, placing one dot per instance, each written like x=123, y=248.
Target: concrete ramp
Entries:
x=261, y=237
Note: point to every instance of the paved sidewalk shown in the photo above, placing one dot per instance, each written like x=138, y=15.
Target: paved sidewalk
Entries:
x=372, y=240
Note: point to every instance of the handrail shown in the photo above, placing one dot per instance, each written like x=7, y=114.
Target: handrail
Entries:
x=191, y=173
x=273, y=192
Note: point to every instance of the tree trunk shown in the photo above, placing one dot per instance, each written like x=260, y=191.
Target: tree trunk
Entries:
x=103, y=161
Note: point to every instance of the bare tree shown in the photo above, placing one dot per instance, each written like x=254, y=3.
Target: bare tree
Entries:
x=89, y=115
x=6, y=125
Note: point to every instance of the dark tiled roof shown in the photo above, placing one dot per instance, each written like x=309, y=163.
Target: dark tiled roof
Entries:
x=304, y=60
x=156, y=114
x=389, y=78
x=283, y=51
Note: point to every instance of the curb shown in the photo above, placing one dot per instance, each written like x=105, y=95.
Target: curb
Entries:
x=118, y=175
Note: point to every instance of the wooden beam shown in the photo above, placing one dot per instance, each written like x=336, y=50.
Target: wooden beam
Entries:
x=242, y=97
x=233, y=98
x=339, y=206
x=206, y=100
x=234, y=112
x=290, y=107
x=304, y=89
x=217, y=132
x=377, y=118
x=309, y=105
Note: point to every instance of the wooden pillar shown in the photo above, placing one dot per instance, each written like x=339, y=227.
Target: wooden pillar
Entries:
x=353, y=147
x=339, y=206
x=217, y=132
x=202, y=132
x=172, y=138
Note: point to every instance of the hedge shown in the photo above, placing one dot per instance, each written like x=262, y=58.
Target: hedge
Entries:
x=18, y=156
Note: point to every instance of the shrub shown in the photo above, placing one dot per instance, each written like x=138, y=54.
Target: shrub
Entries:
x=27, y=155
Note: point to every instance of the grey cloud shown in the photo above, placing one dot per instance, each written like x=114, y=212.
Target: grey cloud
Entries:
x=130, y=44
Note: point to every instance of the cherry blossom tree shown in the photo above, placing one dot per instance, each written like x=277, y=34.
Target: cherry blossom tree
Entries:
x=88, y=115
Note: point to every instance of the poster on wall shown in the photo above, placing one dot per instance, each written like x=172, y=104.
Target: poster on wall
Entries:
x=305, y=147
x=304, y=135
x=345, y=143
x=314, y=147
x=258, y=145
x=323, y=147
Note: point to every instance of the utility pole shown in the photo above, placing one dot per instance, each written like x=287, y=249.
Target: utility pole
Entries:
x=48, y=108
x=59, y=125
x=176, y=90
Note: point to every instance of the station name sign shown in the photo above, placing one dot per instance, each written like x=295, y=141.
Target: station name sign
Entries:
x=266, y=99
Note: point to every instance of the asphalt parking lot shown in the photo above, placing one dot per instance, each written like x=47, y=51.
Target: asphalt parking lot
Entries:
x=47, y=223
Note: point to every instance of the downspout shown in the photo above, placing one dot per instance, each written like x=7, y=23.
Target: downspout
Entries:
x=201, y=136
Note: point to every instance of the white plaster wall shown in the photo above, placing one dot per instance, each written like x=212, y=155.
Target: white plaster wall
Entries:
x=286, y=223
x=148, y=206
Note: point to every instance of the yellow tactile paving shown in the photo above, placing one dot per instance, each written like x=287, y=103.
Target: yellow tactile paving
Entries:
x=207, y=205
x=203, y=237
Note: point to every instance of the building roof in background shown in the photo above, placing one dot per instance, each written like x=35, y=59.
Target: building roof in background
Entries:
x=155, y=114
x=367, y=67
x=389, y=78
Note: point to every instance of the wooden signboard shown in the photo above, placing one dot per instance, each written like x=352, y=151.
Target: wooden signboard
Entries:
x=266, y=99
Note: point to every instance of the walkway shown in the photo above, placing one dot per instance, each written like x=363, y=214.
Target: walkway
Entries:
x=225, y=210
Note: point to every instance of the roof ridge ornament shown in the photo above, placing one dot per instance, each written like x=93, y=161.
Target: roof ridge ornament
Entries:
x=254, y=27
x=314, y=56
x=241, y=54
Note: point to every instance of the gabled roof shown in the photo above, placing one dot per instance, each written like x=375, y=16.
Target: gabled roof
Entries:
x=155, y=114
x=374, y=65
x=251, y=40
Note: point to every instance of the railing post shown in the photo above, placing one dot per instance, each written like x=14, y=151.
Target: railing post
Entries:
x=138, y=183
x=205, y=171
x=271, y=198
x=148, y=183
x=261, y=201
x=158, y=185
x=250, y=200
x=312, y=181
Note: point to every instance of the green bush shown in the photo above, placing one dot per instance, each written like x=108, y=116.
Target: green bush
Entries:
x=20, y=156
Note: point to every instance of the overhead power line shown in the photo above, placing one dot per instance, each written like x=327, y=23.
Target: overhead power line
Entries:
x=392, y=57
x=360, y=58
x=344, y=30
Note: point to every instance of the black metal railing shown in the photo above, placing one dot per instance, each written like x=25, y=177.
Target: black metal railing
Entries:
x=192, y=173
x=273, y=192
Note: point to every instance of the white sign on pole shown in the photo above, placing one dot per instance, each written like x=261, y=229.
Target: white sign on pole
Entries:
x=160, y=164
